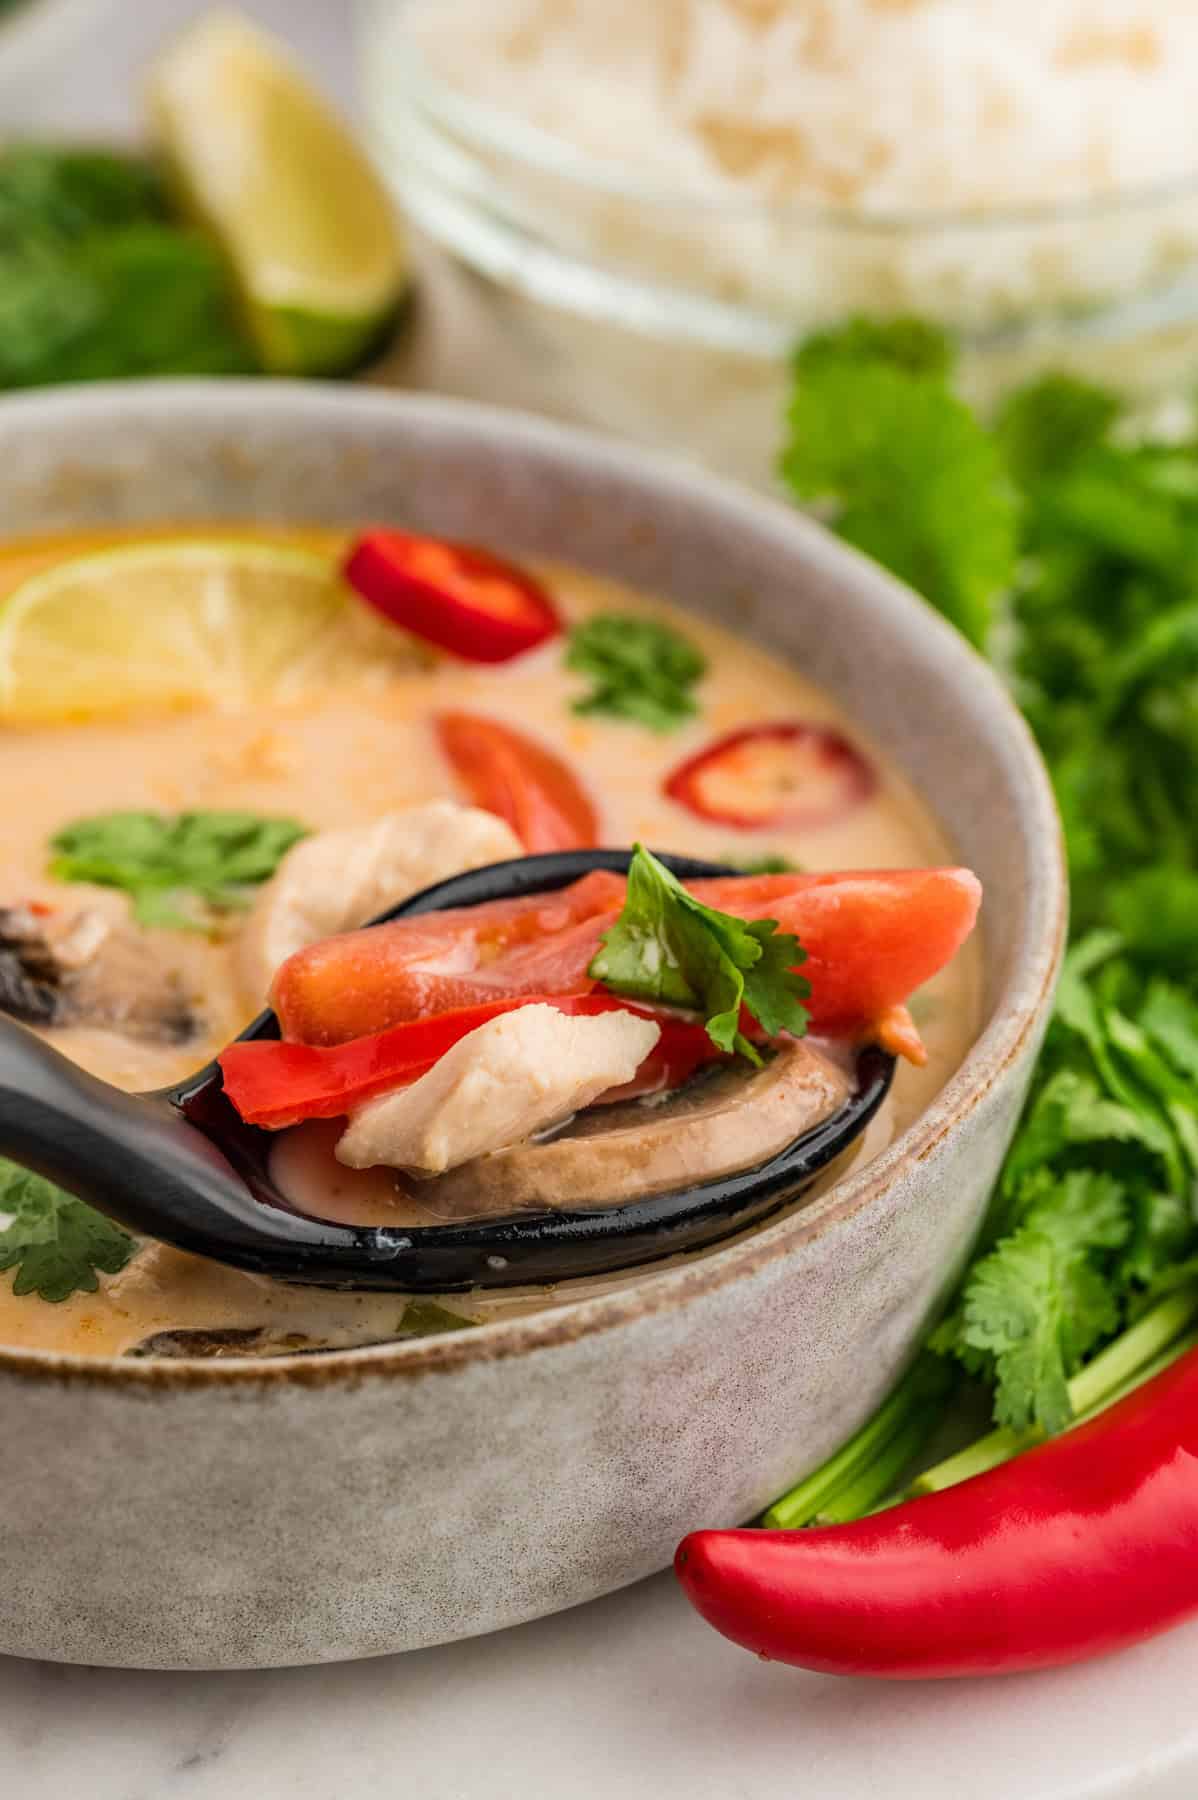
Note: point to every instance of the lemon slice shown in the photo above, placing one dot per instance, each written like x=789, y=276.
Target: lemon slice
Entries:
x=263, y=164
x=170, y=625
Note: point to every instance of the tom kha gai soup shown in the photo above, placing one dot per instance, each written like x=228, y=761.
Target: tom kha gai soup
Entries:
x=224, y=751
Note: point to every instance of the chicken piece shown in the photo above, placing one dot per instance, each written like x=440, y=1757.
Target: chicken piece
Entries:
x=338, y=880
x=514, y=1076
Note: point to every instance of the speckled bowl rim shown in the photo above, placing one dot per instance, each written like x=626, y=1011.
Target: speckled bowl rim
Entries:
x=1015, y=1015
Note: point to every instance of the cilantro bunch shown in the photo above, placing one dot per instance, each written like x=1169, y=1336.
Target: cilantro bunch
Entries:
x=98, y=280
x=1094, y=1211
x=1061, y=537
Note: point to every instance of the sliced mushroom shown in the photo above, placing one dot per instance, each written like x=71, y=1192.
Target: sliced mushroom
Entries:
x=419, y=1318
x=721, y=1122
x=86, y=969
x=30, y=976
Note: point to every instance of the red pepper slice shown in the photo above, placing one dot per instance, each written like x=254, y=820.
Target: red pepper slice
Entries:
x=871, y=939
x=460, y=597
x=1082, y=1546
x=506, y=773
x=280, y=1084
x=766, y=776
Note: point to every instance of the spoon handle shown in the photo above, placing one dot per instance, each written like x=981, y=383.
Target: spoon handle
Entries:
x=134, y=1158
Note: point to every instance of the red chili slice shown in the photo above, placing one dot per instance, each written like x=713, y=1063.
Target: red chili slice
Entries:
x=280, y=1084
x=458, y=596
x=508, y=774
x=765, y=776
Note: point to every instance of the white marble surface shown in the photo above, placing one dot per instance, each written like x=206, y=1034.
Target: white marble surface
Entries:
x=631, y=1698
x=628, y=1699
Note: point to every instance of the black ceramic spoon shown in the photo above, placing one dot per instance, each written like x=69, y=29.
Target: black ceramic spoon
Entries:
x=182, y=1167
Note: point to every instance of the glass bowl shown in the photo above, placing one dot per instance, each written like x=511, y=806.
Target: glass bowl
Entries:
x=38, y=43
x=567, y=283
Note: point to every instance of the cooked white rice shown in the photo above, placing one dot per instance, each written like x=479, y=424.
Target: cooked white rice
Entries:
x=875, y=105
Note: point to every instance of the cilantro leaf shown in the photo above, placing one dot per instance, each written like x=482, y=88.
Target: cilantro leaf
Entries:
x=1170, y=1018
x=1070, y=1111
x=55, y=1242
x=1156, y=911
x=641, y=669
x=51, y=198
x=180, y=871
x=667, y=946
x=1051, y=422
x=1041, y=1299
x=904, y=470
x=904, y=342
x=1013, y=1313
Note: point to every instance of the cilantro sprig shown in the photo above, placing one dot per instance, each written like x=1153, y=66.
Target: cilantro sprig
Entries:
x=182, y=870
x=56, y=1244
x=641, y=669
x=667, y=946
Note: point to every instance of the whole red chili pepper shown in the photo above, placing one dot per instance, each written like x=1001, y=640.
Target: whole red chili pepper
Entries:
x=1081, y=1546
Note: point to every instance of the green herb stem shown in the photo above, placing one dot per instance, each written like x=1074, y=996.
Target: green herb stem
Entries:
x=876, y=1482
x=1157, y=1366
x=921, y=1390
x=1140, y=1352
x=1131, y=1352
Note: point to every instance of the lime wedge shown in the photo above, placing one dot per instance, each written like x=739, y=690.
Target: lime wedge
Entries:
x=262, y=163
x=182, y=623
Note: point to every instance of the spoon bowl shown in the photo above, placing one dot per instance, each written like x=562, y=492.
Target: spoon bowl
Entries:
x=181, y=1166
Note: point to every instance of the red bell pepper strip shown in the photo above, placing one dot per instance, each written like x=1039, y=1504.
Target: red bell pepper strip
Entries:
x=280, y=1084
x=1081, y=1546
x=462, y=598
x=871, y=939
x=506, y=773
x=767, y=776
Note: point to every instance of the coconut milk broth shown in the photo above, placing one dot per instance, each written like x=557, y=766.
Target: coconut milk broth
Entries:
x=343, y=758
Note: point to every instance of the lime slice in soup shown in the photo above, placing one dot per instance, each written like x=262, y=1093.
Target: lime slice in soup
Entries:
x=263, y=164
x=179, y=623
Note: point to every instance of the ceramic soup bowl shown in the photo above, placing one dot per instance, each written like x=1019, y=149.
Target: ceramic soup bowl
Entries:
x=192, y=1514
